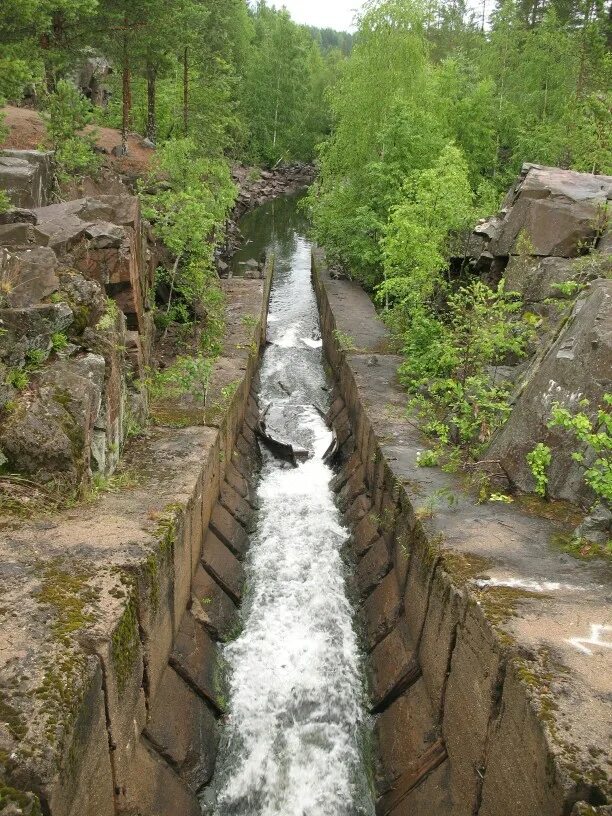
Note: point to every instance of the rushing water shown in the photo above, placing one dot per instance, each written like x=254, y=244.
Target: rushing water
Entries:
x=292, y=745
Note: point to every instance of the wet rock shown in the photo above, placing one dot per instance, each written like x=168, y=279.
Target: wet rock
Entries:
x=29, y=276
x=578, y=366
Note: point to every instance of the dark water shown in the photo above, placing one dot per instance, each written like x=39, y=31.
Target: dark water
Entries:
x=271, y=227
x=292, y=743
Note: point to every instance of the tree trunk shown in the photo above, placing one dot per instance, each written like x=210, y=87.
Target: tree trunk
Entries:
x=276, y=111
x=127, y=94
x=151, y=111
x=186, y=91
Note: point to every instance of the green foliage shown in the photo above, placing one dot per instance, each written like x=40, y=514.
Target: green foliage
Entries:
x=18, y=378
x=59, y=341
x=534, y=88
x=67, y=113
x=436, y=202
x=594, y=435
x=284, y=89
x=450, y=355
x=539, y=460
x=187, y=375
x=108, y=321
x=344, y=340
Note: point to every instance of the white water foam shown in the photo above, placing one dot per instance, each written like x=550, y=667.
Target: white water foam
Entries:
x=292, y=742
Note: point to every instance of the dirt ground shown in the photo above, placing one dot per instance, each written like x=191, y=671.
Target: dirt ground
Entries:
x=27, y=132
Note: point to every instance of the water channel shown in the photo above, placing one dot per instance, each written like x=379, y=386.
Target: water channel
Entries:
x=293, y=741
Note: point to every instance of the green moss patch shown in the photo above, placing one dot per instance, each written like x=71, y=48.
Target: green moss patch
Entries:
x=125, y=644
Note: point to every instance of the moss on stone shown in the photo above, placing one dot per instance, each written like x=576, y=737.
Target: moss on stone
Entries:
x=554, y=510
x=500, y=603
x=464, y=567
x=68, y=594
x=12, y=719
x=27, y=803
x=125, y=643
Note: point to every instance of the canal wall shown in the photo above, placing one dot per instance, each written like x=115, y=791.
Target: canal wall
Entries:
x=111, y=689
x=489, y=665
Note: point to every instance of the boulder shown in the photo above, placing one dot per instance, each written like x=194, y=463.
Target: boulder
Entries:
x=28, y=276
x=21, y=233
x=560, y=211
x=578, y=366
x=26, y=176
x=31, y=328
x=41, y=440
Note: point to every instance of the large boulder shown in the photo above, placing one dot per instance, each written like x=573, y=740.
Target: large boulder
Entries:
x=28, y=276
x=578, y=366
x=26, y=176
x=31, y=329
x=559, y=212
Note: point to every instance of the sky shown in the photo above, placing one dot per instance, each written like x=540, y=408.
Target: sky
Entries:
x=336, y=14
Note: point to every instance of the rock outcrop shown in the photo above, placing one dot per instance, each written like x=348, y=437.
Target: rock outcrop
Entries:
x=552, y=244
x=548, y=212
x=26, y=176
x=75, y=335
x=577, y=366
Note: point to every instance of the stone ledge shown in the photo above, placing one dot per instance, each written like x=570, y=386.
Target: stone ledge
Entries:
x=529, y=620
x=91, y=601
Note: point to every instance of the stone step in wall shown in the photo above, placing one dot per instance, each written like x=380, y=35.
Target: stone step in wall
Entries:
x=175, y=755
x=487, y=684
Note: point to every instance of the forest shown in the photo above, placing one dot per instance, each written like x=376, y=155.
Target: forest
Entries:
x=417, y=124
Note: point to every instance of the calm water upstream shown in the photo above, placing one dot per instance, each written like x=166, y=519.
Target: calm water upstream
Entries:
x=292, y=745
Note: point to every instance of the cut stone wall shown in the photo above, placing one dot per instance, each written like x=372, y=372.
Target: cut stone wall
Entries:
x=487, y=680
x=111, y=615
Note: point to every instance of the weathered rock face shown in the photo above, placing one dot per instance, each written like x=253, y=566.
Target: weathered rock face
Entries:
x=26, y=176
x=67, y=357
x=548, y=212
x=559, y=211
x=578, y=366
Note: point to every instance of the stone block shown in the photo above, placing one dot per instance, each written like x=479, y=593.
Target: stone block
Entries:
x=469, y=702
x=29, y=276
x=518, y=777
x=358, y=509
x=446, y=610
x=237, y=481
x=373, y=567
x=122, y=656
x=353, y=487
x=184, y=730
x=156, y=790
x=431, y=797
x=381, y=610
x=194, y=656
x=418, y=585
x=238, y=506
x=390, y=662
x=212, y=606
x=229, y=531
x=403, y=733
x=366, y=533
x=25, y=175
x=225, y=568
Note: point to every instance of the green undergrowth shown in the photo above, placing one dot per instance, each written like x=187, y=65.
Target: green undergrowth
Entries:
x=581, y=548
x=27, y=804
